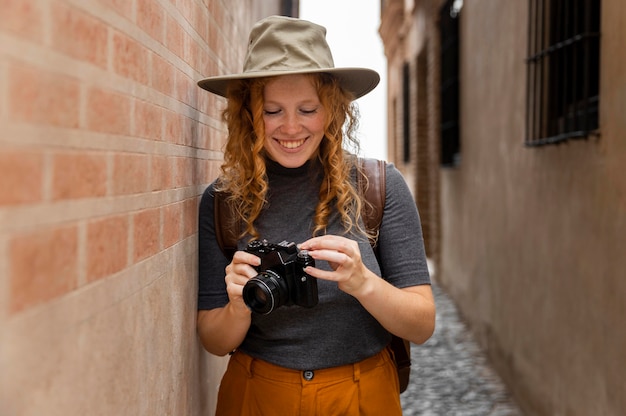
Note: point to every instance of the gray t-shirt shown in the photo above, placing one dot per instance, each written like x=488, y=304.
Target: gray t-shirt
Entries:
x=338, y=330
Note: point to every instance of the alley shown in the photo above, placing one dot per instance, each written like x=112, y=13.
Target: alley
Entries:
x=450, y=375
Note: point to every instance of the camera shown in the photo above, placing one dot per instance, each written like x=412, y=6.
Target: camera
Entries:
x=281, y=279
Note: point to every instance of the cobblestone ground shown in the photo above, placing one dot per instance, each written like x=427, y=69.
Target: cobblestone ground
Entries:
x=450, y=375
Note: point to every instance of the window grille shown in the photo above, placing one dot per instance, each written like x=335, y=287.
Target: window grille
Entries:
x=563, y=70
x=449, y=36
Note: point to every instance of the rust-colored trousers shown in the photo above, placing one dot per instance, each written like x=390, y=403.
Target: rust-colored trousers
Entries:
x=255, y=387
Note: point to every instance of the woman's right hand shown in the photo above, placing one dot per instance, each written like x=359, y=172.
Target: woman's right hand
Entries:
x=238, y=272
x=222, y=329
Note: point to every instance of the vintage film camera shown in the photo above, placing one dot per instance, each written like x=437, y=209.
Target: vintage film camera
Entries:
x=281, y=279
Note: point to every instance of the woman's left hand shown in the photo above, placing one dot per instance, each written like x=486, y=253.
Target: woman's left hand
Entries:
x=343, y=256
x=408, y=312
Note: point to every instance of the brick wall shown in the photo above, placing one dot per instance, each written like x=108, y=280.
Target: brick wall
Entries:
x=105, y=145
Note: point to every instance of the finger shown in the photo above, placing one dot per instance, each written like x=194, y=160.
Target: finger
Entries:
x=246, y=258
x=239, y=273
x=322, y=274
x=331, y=256
x=316, y=243
x=331, y=242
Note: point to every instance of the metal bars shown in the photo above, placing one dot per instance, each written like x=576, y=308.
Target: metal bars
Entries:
x=563, y=70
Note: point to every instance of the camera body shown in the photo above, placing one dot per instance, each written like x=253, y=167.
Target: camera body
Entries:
x=281, y=279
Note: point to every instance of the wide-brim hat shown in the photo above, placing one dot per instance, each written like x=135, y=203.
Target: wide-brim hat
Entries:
x=280, y=45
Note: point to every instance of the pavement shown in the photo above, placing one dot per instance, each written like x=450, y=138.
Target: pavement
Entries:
x=450, y=374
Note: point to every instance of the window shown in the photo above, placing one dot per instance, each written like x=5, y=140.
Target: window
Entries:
x=449, y=33
x=563, y=70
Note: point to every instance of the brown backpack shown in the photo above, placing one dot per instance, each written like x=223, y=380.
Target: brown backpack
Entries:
x=371, y=184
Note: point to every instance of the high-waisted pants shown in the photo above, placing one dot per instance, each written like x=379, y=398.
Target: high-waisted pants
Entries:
x=254, y=387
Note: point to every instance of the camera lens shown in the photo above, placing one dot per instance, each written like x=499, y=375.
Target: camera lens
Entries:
x=260, y=295
x=265, y=292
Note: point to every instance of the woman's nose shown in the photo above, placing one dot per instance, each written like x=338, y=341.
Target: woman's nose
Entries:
x=291, y=124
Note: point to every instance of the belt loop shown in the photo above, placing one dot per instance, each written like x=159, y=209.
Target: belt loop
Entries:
x=357, y=372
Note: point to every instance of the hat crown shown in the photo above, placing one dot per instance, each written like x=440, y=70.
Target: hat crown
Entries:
x=279, y=43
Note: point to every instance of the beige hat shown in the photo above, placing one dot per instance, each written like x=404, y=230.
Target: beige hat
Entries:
x=280, y=45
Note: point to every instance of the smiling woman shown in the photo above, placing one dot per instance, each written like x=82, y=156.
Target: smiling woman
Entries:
x=289, y=181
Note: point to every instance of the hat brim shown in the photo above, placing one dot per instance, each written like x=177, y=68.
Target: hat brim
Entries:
x=359, y=81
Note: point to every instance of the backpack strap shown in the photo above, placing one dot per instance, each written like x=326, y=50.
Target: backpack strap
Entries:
x=226, y=224
x=371, y=185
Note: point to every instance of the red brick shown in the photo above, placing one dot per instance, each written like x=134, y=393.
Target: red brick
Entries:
x=24, y=18
x=183, y=172
x=190, y=216
x=123, y=7
x=185, y=88
x=108, y=112
x=214, y=41
x=175, y=37
x=107, y=247
x=151, y=18
x=40, y=97
x=162, y=75
x=186, y=169
x=217, y=11
x=130, y=174
x=203, y=103
x=161, y=173
x=79, y=175
x=202, y=141
x=130, y=58
x=43, y=266
x=173, y=127
x=201, y=22
x=172, y=224
x=148, y=120
x=186, y=9
x=204, y=172
x=21, y=176
x=147, y=227
x=201, y=59
x=189, y=131
x=79, y=35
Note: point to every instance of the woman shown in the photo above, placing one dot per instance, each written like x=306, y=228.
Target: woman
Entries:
x=290, y=116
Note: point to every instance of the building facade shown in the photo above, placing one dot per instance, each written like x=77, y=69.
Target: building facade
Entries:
x=508, y=118
x=106, y=144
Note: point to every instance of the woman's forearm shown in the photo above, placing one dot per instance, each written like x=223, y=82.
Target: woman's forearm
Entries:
x=221, y=330
x=408, y=313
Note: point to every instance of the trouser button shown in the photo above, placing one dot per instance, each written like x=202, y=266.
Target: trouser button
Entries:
x=308, y=375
